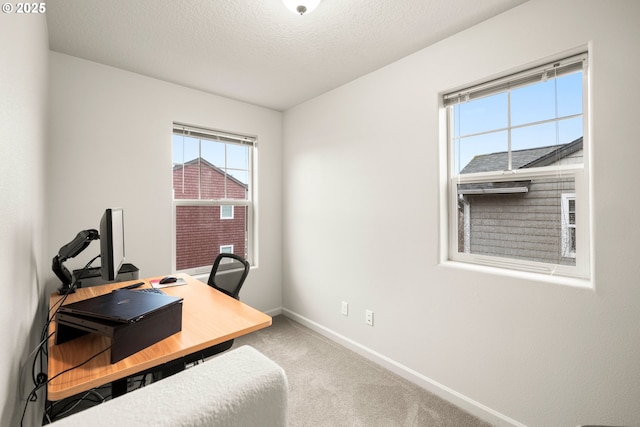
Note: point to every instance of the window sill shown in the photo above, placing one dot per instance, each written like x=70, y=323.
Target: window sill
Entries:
x=573, y=282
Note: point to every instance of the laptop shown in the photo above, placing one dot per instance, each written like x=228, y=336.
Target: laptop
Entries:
x=121, y=306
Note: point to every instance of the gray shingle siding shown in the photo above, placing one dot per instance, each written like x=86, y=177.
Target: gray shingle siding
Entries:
x=520, y=226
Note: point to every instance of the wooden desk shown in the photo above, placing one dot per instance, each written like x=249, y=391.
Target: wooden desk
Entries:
x=209, y=317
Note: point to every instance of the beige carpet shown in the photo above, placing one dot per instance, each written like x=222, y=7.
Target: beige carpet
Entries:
x=333, y=386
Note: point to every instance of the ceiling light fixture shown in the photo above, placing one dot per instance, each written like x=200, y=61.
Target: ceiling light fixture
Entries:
x=301, y=6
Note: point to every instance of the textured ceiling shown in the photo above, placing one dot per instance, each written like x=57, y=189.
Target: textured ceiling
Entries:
x=257, y=51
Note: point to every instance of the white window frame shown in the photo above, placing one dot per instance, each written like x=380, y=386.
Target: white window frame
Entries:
x=249, y=202
x=566, y=225
x=226, y=249
x=222, y=216
x=579, y=173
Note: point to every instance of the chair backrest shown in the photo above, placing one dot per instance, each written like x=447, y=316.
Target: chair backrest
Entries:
x=228, y=274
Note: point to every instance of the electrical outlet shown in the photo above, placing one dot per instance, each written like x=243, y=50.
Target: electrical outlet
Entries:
x=345, y=308
x=369, y=317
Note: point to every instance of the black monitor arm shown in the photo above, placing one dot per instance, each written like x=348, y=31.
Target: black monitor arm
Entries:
x=70, y=250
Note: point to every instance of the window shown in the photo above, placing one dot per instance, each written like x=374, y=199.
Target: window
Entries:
x=518, y=175
x=226, y=212
x=569, y=225
x=212, y=196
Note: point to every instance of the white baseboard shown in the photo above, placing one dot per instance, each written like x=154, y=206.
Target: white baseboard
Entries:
x=273, y=312
x=473, y=407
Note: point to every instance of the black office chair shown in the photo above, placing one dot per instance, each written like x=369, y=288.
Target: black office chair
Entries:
x=227, y=275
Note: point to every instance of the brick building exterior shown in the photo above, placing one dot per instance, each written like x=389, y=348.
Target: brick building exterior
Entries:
x=201, y=231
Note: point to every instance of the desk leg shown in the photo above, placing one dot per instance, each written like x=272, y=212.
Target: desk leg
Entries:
x=118, y=387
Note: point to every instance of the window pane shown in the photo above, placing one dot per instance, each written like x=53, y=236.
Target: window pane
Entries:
x=533, y=103
x=481, y=115
x=226, y=212
x=185, y=181
x=570, y=130
x=530, y=105
x=212, y=182
x=185, y=167
x=208, y=177
x=554, y=98
x=213, y=152
x=200, y=233
x=185, y=148
x=237, y=169
x=570, y=95
x=482, y=153
x=237, y=157
x=546, y=135
x=572, y=211
x=526, y=226
x=536, y=136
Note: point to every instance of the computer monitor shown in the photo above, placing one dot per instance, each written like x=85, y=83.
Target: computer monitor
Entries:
x=111, y=243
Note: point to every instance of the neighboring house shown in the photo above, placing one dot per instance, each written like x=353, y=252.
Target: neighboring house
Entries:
x=202, y=232
x=502, y=212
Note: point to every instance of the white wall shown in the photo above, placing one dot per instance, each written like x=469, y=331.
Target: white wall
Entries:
x=111, y=147
x=362, y=215
x=23, y=102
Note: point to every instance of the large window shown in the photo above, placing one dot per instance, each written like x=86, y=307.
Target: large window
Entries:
x=518, y=170
x=212, y=196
